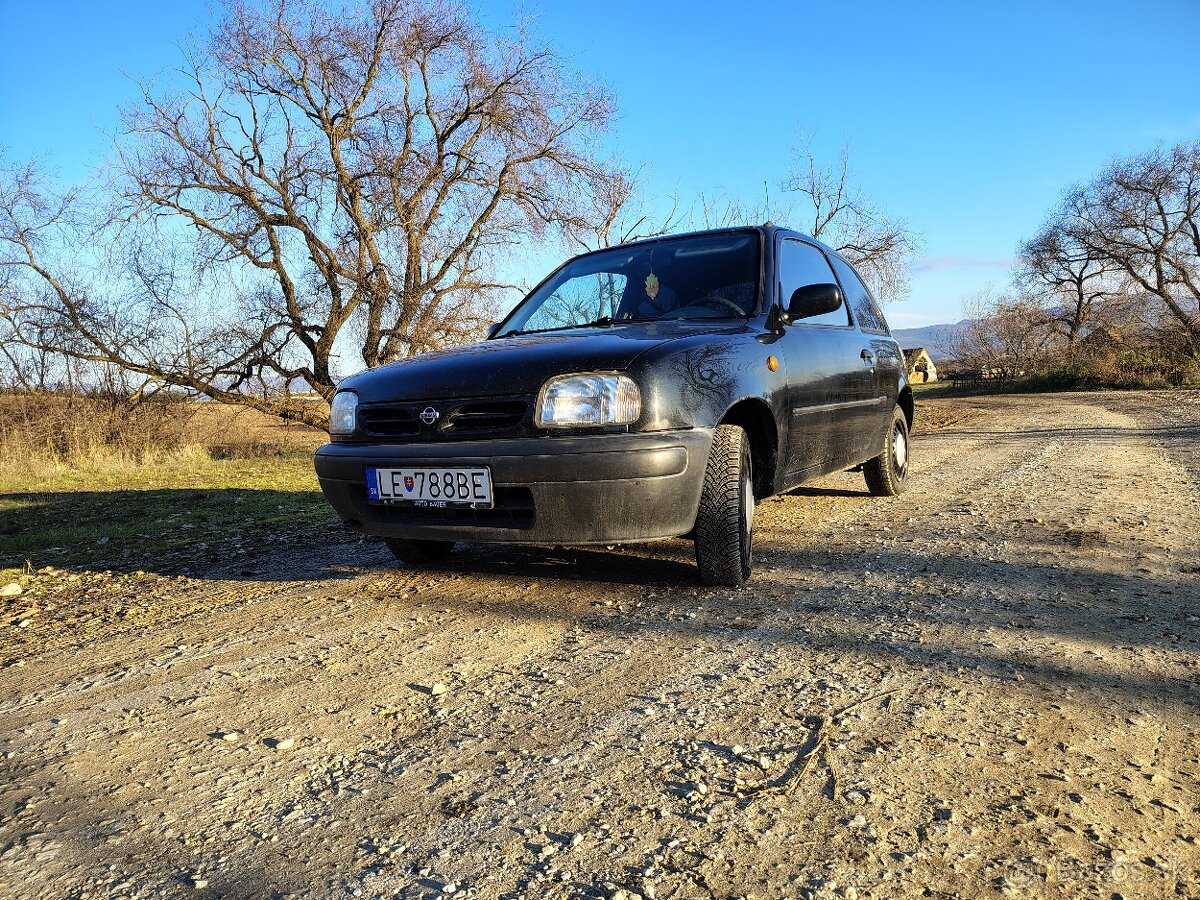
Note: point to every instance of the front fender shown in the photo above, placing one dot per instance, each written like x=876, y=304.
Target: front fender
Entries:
x=693, y=382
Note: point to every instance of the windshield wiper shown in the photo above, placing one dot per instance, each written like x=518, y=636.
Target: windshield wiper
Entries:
x=602, y=322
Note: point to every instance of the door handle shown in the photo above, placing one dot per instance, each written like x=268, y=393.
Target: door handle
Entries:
x=868, y=357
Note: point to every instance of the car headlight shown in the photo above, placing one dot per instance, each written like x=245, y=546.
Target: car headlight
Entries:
x=343, y=413
x=588, y=400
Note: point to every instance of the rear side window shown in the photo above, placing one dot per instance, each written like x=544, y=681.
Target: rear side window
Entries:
x=800, y=265
x=866, y=311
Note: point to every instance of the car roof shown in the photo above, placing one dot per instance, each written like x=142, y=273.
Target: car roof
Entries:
x=768, y=230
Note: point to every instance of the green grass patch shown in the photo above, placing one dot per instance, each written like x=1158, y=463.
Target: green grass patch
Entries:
x=131, y=517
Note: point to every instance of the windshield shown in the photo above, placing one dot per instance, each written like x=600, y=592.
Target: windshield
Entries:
x=702, y=277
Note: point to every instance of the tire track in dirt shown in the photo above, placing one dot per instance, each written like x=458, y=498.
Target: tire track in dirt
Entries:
x=619, y=699
x=594, y=694
x=619, y=725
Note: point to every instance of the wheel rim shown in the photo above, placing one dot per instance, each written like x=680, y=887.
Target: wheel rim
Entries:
x=900, y=450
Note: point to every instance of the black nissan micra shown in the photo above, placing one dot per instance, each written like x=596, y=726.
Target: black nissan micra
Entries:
x=652, y=390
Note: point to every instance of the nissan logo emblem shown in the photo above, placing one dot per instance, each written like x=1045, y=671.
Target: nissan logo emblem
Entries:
x=429, y=415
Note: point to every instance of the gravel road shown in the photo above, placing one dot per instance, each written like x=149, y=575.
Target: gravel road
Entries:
x=985, y=688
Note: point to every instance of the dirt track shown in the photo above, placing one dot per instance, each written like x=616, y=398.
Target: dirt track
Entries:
x=987, y=687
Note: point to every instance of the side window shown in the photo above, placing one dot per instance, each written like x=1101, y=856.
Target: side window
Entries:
x=802, y=264
x=865, y=309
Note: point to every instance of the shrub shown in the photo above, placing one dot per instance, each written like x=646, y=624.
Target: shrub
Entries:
x=46, y=430
x=64, y=429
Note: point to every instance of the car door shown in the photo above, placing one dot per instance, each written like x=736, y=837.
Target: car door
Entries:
x=874, y=383
x=821, y=364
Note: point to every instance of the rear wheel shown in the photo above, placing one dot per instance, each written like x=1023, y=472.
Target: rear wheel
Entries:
x=724, y=531
x=419, y=553
x=886, y=473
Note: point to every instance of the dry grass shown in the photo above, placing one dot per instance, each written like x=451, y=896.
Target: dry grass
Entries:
x=137, y=517
x=87, y=478
x=44, y=435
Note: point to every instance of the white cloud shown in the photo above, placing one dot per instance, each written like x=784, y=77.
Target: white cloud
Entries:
x=950, y=263
x=899, y=319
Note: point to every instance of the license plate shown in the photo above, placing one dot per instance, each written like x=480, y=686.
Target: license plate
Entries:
x=431, y=487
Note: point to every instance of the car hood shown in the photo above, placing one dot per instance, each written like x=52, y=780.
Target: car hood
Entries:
x=521, y=364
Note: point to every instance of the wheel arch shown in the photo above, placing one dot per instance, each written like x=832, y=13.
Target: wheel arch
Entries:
x=754, y=416
x=908, y=404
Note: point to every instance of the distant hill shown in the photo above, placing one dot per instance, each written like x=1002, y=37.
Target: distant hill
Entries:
x=939, y=340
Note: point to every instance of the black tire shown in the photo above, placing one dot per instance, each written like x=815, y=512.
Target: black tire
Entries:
x=724, y=532
x=887, y=473
x=419, y=553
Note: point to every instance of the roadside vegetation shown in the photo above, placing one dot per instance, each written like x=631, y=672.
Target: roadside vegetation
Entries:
x=45, y=431
x=1107, y=293
x=98, y=480
x=1128, y=371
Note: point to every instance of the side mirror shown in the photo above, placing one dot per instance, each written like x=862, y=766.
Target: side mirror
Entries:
x=492, y=329
x=812, y=300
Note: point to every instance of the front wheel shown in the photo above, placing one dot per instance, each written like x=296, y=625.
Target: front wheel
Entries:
x=419, y=553
x=724, y=529
x=886, y=473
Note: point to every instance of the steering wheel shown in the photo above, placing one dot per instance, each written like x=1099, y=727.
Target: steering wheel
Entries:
x=715, y=298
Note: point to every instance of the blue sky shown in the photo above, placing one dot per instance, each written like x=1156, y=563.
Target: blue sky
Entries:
x=966, y=119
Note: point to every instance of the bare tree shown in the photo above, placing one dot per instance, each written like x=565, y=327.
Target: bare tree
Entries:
x=620, y=214
x=323, y=173
x=1005, y=336
x=90, y=306
x=836, y=211
x=1071, y=280
x=822, y=200
x=1142, y=215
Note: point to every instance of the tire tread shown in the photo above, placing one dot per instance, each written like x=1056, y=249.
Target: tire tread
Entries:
x=718, y=532
x=881, y=476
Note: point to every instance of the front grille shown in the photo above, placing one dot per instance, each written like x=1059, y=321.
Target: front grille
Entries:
x=459, y=420
x=486, y=415
x=389, y=421
x=513, y=509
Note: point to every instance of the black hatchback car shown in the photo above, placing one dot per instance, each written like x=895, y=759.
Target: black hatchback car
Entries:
x=651, y=390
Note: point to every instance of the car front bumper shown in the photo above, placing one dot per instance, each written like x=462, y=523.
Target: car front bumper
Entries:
x=590, y=489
